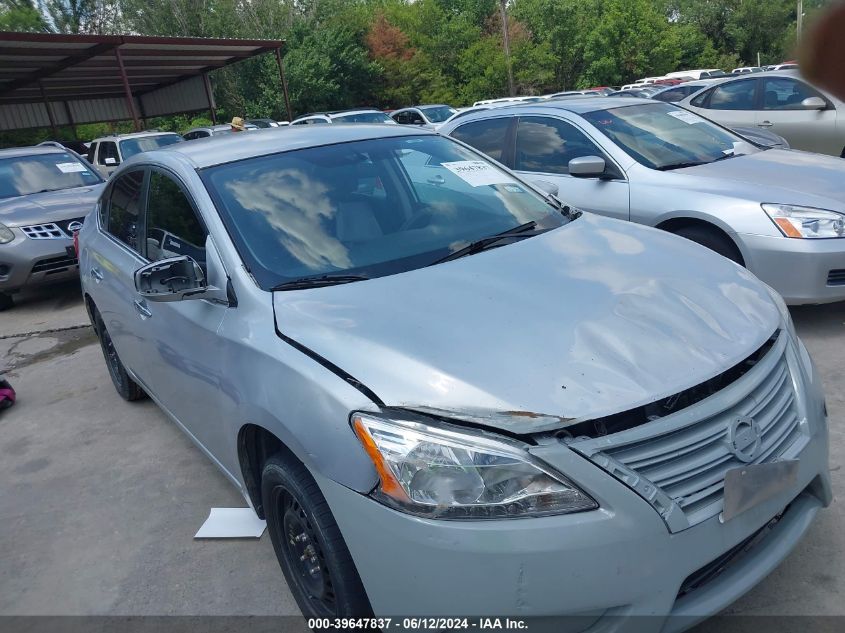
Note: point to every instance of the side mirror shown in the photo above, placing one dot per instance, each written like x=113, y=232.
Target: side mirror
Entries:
x=171, y=279
x=546, y=186
x=813, y=103
x=587, y=167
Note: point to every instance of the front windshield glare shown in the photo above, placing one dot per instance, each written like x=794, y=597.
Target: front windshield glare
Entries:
x=371, y=208
x=133, y=146
x=24, y=175
x=363, y=117
x=438, y=114
x=662, y=136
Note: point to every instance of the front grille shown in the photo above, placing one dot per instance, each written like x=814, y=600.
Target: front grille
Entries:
x=679, y=462
x=64, y=224
x=54, y=265
x=49, y=231
x=836, y=277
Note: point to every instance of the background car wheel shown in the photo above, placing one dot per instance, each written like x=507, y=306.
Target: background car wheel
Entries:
x=6, y=301
x=713, y=240
x=310, y=548
x=123, y=384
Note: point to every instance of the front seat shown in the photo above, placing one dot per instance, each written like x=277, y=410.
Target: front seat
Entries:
x=356, y=219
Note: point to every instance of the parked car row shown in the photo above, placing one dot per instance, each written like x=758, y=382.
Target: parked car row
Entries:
x=407, y=355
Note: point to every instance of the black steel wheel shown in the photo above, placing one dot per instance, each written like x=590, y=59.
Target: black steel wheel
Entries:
x=312, y=553
x=123, y=384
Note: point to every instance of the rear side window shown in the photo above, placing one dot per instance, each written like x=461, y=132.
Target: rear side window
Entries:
x=488, y=136
x=546, y=145
x=124, y=211
x=173, y=228
x=737, y=95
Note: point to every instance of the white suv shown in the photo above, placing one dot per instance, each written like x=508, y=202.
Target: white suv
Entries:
x=107, y=152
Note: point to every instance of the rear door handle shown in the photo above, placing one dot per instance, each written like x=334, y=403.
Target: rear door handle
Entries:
x=141, y=307
x=765, y=124
x=96, y=275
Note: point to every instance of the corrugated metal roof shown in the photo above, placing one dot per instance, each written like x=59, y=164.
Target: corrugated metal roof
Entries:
x=81, y=75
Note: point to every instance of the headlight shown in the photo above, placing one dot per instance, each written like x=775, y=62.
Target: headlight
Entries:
x=806, y=222
x=446, y=474
x=6, y=234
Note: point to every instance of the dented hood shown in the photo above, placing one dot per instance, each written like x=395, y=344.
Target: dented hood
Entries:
x=590, y=319
x=49, y=206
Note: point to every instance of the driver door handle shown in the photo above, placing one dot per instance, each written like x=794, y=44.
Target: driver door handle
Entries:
x=96, y=275
x=141, y=308
x=765, y=124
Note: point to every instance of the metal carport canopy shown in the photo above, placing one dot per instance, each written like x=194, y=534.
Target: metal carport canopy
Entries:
x=47, y=80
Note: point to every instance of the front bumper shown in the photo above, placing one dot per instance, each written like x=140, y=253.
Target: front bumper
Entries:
x=27, y=262
x=800, y=270
x=603, y=566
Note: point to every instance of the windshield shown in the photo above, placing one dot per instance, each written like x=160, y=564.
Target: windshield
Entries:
x=132, y=146
x=437, y=114
x=363, y=117
x=373, y=208
x=23, y=175
x=662, y=136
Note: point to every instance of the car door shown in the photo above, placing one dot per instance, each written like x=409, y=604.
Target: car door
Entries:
x=782, y=113
x=115, y=256
x=543, y=147
x=732, y=103
x=180, y=351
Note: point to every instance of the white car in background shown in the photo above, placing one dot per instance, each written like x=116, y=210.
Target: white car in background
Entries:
x=428, y=116
x=370, y=115
x=107, y=152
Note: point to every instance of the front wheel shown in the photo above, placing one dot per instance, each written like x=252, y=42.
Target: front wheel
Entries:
x=312, y=553
x=123, y=384
x=712, y=239
x=6, y=301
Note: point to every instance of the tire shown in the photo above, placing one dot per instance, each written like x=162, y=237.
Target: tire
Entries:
x=6, y=301
x=127, y=388
x=325, y=583
x=712, y=239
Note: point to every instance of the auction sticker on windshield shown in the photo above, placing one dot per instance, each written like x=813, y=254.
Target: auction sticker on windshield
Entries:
x=69, y=168
x=686, y=117
x=477, y=173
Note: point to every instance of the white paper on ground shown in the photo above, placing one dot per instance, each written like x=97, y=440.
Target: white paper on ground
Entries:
x=232, y=523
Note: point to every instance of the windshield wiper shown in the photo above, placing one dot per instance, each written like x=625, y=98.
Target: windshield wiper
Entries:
x=487, y=242
x=317, y=282
x=671, y=166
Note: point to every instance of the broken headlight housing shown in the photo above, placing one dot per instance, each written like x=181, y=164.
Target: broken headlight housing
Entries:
x=445, y=473
x=6, y=234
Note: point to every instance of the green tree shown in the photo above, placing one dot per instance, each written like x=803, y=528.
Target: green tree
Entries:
x=20, y=15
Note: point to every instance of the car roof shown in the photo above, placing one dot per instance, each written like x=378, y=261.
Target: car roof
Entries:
x=576, y=106
x=15, y=152
x=123, y=137
x=207, y=152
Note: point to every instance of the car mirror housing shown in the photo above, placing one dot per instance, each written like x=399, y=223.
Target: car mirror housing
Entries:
x=813, y=103
x=173, y=279
x=587, y=167
x=546, y=187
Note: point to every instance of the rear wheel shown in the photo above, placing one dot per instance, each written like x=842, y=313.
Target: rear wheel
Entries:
x=6, y=301
x=312, y=553
x=123, y=384
x=712, y=239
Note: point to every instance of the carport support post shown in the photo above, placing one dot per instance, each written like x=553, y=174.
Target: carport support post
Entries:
x=210, y=96
x=49, y=111
x=130, y=104
x=284, y=83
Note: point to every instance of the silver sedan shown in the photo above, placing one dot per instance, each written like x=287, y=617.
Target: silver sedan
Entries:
x=781, y=102
x=780, y=213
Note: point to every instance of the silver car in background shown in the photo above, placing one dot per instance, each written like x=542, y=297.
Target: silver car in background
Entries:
x=45, y=194
x=428, y=116
x=448, y=394
x=780, y=213
x=780, y=101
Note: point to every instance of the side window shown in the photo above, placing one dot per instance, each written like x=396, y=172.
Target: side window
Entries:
x=173, y=228
x=547, y=145
x=92, y=150
x=125, y=208
x=780, y=93
x=736, y=95
x=108, y=150
x=403, y=118
x=415, y=118
x=190, y=136
x=486, y=136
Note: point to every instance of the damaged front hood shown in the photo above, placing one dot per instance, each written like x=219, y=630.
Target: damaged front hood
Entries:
x=590, y=319
x=49, y=206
